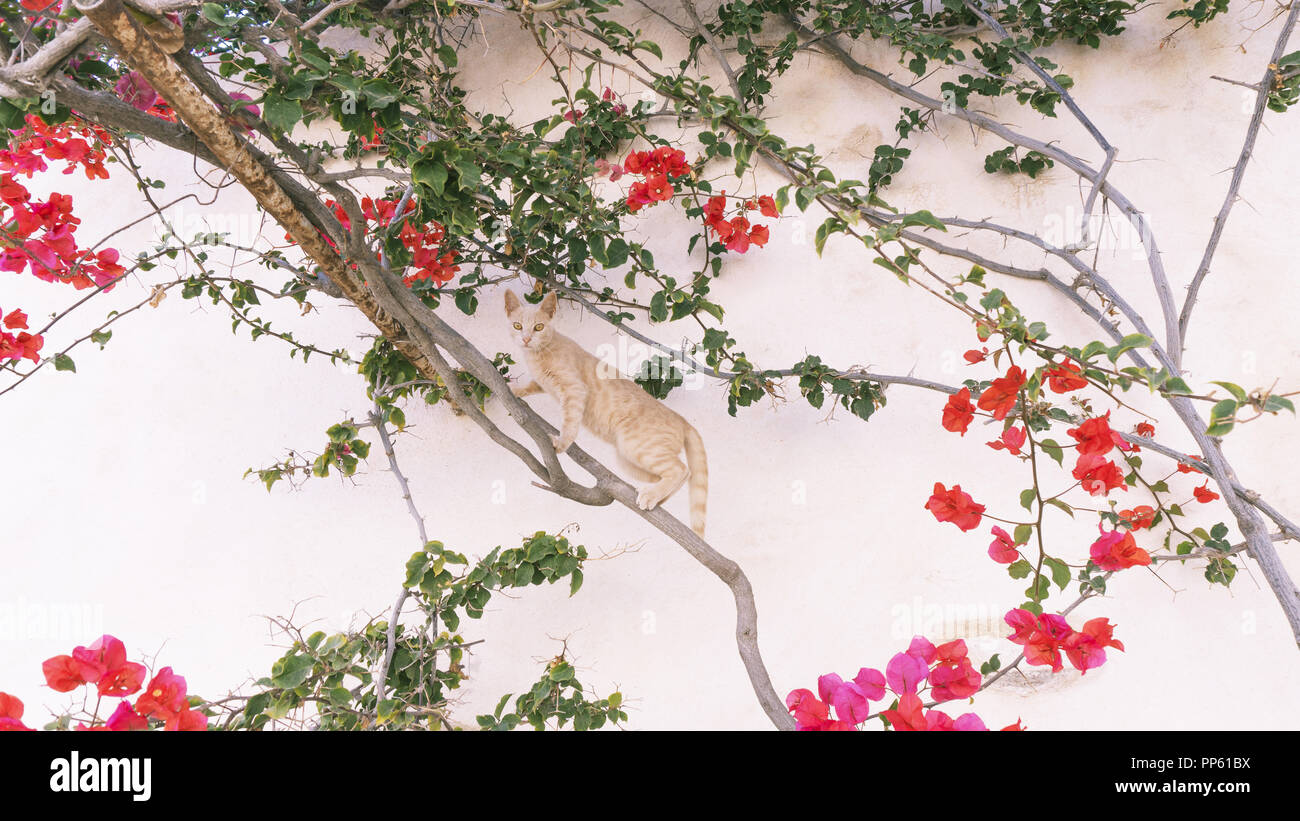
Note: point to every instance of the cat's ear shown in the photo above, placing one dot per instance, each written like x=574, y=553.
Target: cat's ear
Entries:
x=548, y=305
x=512, y=303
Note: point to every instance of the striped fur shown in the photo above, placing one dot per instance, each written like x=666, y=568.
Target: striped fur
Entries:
x=648, y=435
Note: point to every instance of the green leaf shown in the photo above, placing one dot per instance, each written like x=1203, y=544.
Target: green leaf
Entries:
x=282, y=114
x=291, y=671
x=1060, y=571
x=1019, y=569
x=1052, y=449
x=1022, y=533
x=63, y=362
x=923, y=218
x=1027, y=497
x=1236, y=390
x=1062, y=505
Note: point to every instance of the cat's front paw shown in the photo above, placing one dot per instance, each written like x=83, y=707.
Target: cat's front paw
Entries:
x=646, y=499
x=560, y=445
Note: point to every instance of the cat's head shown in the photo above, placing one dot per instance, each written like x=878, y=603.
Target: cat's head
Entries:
x=531, y=325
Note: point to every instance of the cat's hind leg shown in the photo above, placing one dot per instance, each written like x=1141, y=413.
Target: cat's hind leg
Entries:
x=656, y=455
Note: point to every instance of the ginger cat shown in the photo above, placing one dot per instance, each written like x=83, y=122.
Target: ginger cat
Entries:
x=648, y=435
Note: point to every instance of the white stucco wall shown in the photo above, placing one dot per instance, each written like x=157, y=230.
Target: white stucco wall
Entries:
x=124, y=502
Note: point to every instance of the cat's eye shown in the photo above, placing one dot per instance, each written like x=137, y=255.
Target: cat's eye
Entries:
x=537, y=327
x=518, y=327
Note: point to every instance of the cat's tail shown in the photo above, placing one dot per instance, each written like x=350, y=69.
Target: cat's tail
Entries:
x=699, y=478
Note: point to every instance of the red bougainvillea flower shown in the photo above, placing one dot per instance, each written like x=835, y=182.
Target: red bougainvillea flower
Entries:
x=908, y=716
x=937, y=720
x=164, y=697
x=1095, y=436
x=973, y=356
x=1182, y=468
x=1116, y=550
x=1001, y=396
x=1145, y=429
x=1012, y=440
x=1013, y=727
x=959, y=412
x=1043, y=645
x=638, y=197
x=62, y=673
x=1204, y=495
x=812, y=714
x=15, y=319
x=955, y=506
x=1098, y=475
x=1041, y=636
x=758, y=235
x=1138, y=518
x=767, y=206
x=1003, y=549
x=1086, y=649
x=1065, y=377
x=954, y=676
x=11, y=713
x=122, y=681
x=126, y=718
x=187, y=720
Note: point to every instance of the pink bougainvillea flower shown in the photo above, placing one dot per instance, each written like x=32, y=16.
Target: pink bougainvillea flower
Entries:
x=1001, y=396
x=107, y=653
x=922, y=649
x=126, y=718
x=905, y=672
x=954, y=506
x=1116, y=550
x=850, y=702
x=958, y=412
x=135, y=90
x=1002, y=549
x=871, y=683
